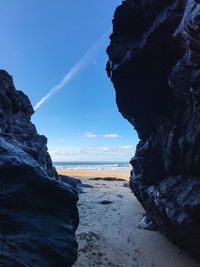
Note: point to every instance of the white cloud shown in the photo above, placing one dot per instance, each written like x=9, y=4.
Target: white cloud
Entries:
x=111, y=135
x=89, y=135
x=93, y=135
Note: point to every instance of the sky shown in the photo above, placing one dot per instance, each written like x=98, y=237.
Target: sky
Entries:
x=56, y=52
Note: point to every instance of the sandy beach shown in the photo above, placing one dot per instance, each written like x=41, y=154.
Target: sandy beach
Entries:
x=118, y=173
x=108, y=233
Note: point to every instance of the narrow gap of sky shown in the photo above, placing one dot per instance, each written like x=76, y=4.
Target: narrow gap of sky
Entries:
x=41, y=42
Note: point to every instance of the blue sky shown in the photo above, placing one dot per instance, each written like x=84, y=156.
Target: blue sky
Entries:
x=41, y=41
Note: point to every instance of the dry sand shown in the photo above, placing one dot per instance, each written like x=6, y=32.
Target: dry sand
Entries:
x=108, y=235
x=97, y=173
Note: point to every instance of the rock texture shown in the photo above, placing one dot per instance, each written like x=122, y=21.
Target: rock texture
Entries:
x=38, y=213
x=154, y=64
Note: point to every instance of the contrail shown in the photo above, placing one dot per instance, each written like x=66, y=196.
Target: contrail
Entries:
x=86, y=59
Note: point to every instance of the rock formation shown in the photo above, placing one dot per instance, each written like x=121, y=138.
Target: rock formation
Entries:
x=154, y=64
x=38, y=213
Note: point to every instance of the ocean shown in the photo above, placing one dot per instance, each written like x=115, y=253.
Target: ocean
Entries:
x=92, y=165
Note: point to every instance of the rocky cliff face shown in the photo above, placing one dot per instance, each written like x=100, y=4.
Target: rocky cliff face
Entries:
x=154, y=64
x=38, y=212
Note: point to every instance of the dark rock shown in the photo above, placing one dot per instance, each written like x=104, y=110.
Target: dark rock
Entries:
x=110, y=179
x=73, y=182
x=38, y=212
x=154, y=64
x=69, y=179
x=126, y=184
x=106, y=202
x=80, y=188
x=77, y=183
x=147, y=223
x=86, y=186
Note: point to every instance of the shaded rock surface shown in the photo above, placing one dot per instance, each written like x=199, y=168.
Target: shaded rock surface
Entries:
x=154, y=64
x=38, y=211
